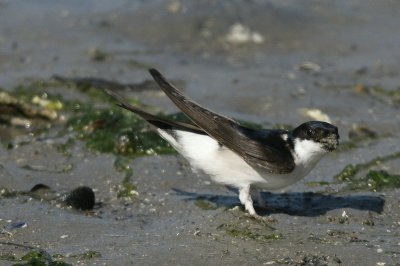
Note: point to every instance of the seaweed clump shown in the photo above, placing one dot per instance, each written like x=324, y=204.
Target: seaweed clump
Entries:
x=117, y=131
x=245, y=232
x=374, y=180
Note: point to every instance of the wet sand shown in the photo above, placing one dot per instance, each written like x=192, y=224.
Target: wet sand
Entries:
x=340, y=58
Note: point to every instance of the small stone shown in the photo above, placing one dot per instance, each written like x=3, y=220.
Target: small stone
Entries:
x=315, y=114
x=240, y=34
x=360, y=88
x=174, y=7
x=15, y=225
x=310, y=67
x=197, y=232
x=98, y=55
x=368, y=222
x=81, y=198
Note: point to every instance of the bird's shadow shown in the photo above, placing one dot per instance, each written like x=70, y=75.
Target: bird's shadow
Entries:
x=295, y=203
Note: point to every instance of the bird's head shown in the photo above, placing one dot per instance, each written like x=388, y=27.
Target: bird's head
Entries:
x=318, y=132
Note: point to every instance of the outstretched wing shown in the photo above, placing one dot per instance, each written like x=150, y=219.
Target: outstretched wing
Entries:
x=264, y=150
x=156, y=121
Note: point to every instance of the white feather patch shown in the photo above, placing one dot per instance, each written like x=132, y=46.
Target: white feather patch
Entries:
x=226, y=167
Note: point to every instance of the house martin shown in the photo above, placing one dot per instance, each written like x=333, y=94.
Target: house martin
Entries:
x=237, y=156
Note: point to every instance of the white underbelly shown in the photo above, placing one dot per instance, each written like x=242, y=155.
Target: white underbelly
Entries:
x=223, y=165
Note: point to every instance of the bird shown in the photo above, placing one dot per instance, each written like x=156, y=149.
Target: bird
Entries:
x=250, y=160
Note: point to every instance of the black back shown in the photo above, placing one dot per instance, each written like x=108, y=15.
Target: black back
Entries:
x=264, y=150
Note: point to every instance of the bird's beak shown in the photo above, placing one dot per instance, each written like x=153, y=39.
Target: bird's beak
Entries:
x=331, y=142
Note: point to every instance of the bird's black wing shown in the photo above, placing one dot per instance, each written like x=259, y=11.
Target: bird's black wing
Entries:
x=266, y=151
x=156, y=121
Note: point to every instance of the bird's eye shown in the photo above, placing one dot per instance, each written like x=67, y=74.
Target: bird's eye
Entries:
x=310, y=132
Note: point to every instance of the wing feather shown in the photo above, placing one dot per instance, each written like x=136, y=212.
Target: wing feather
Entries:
x=264, y=150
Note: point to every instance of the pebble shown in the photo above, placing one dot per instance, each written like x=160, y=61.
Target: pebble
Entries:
x=81, y=198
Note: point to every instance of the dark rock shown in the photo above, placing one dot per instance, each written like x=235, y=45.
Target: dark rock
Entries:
x=81, y=198
x=39, y=187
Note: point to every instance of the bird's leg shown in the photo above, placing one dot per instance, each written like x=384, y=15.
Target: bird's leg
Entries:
x=245, y=199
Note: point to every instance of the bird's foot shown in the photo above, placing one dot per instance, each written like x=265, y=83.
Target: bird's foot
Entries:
x=245, y=199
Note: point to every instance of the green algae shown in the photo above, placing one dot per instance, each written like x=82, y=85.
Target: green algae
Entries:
x=374, y=180
x=205, y=204
x=117, y=131
x=112, y=130
x=13, y=106
x=121, y=164
x=381, y=179
x=88, y=255
x=40, y=90
x=127, y=189
x=317, y=183
x=36, y=258
x=40, y=257
x=30, y=109
x=51, y=93
x=246, y=232
x=350, y=170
